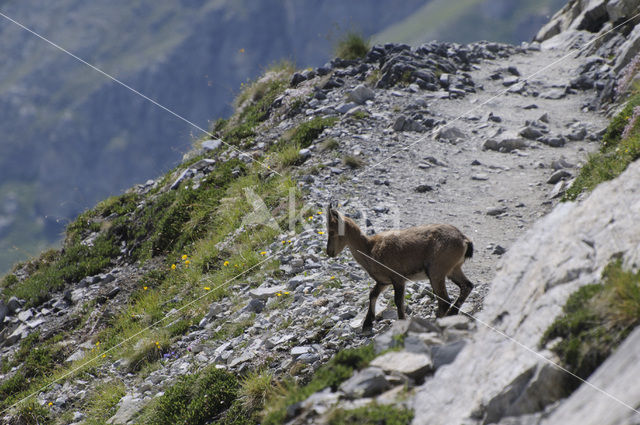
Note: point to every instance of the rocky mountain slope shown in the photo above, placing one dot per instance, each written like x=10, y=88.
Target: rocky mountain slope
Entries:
x=211, y=283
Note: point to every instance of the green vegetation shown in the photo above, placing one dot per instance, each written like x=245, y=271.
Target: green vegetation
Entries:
x=352, y=45
x=195, y=399
x=31, y=413
x=102, y=402
x=337, y=370
x=329, y=144
x=595, y=319
x=36, y=359
x=305, y=133
x=373, y=414
x=256, y=388
x=616, y=153
x=352, y=161
x=254, y=103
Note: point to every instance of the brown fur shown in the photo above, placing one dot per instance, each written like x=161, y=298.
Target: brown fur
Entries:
x=436, y=251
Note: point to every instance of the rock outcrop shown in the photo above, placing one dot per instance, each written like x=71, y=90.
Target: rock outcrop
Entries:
x=502, y=371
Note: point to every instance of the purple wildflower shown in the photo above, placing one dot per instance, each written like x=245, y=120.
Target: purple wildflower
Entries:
x=633, y=120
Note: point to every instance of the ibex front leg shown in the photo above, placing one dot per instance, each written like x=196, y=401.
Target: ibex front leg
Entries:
x=398, y=296
x=371, y=314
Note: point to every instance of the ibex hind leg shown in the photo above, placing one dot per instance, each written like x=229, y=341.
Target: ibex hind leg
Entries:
x=440, y=290
x=465, y=285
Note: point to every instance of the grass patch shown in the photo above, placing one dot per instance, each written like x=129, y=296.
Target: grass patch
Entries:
x=194, y=399
x=31, y=413
x=305, y=133
x=256, y=388
x=373, y=414
x=102, y=402
x=352, y=161
x=360, y=115
x=146, y=351
x=337, y=370
x=329, y=144
x=617, y=151
x=595, y=319
x=352, y=45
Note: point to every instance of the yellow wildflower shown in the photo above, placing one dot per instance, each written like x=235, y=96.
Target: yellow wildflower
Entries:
x=226, y=263
x=286, y=293
x=104, y=355
x=279, y=294
x=98, y=343
x=319, y=212
x=187, y=262
x=50, y=404
x=263, y=253
x=321, y=233
x=289, y=241
x=184, y=256
x=173, y=267
x=332, y=277
x=144, y=287
x=206, y=288
x=284, y=242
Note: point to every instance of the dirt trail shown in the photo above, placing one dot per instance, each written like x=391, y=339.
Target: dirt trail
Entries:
x=491, y=196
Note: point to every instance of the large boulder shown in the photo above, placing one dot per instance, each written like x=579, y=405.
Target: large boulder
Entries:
x=495, y=373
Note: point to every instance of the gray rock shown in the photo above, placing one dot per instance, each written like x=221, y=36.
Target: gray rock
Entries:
x=495, y=211
x=403, y=123
x=295, y=281
x=504, y=145
x=360, y=94
x=509, y=81
x=620, y=9
x=480, y=177
x=558, y=175
x=304, y=153
x=256, y=305
x=498, y=250
x=296, y=79
x=211, y=144
x=183, y=176
x=530, y=132
x=300, y=350
x=559, y=164
x=494, y=118
x=451, y=134
x=13, y=305
x=77, y=355
x=413, y=365
x=113, y=292
x=346, y=107
x=365, y=383
x=25, y=315
x=553, y=94
x=578, y=134
x=530, y=392
x=553, y=141
x=444, y=354
x=3, y=312
x=544, y=118
x=266, y=292
x=454, y=322
x=423, y=188
x=129, y=406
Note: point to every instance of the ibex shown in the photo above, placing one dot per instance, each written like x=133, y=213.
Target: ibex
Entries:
x=436, y=251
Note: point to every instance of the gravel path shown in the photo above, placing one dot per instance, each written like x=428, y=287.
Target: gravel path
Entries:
x=492, y=196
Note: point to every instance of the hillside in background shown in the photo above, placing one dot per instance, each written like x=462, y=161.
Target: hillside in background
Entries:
x=464, y=21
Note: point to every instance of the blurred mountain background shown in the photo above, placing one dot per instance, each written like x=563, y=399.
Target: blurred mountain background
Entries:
x=70, y=137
